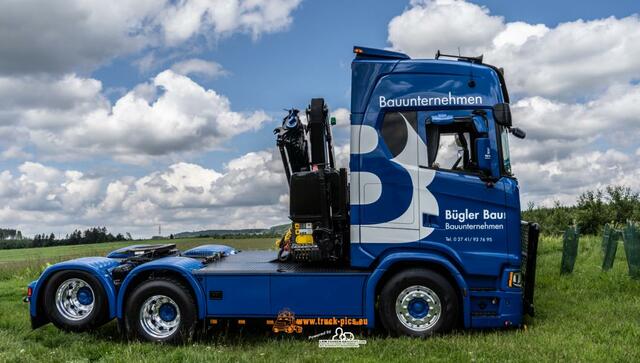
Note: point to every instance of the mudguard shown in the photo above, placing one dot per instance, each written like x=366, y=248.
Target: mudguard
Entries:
x=181, y=265
x=97, y=266
x=403, y=257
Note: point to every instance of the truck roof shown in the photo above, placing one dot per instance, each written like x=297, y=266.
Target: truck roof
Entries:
x=382, y=55
x=370, y=64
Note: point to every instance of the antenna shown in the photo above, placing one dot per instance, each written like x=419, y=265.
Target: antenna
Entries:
x=159, y=230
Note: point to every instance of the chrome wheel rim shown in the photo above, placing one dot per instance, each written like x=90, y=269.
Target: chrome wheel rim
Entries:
x=160, y=316
x=418, y=308
x=75, y=299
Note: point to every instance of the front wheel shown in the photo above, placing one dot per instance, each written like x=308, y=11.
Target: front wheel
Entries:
x=161, y=310
x=419, y=303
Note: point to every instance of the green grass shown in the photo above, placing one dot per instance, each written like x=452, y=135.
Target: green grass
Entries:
x=586, y=316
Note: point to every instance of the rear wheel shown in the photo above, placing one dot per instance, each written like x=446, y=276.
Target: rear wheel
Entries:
x=419, y=303
x=75, y=301
x=161, y=310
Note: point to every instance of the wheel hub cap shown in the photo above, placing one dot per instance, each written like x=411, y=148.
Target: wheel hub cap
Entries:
x=160, y=316
x=167, y=312
x=85, y=296
x=74, y=299
x=418, y=308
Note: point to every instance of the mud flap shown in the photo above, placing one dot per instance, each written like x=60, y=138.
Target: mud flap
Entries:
x=530, y=234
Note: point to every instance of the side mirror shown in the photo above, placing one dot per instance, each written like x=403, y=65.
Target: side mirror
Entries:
x=502, y=114
x=519, y=133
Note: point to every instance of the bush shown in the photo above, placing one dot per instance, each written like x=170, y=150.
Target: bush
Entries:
x=553, y=220
x=591, y=212
x=615, y=205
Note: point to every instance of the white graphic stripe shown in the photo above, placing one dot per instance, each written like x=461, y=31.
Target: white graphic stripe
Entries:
x=393, y=231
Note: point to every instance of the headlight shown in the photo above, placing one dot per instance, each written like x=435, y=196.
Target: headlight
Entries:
x=515, y=279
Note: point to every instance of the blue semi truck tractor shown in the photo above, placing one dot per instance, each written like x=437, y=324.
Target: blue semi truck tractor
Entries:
x=422, y=235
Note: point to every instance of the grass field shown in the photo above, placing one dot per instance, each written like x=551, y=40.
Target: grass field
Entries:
x=586, y=316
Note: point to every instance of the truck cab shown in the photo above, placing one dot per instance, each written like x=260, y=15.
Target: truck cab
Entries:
x=421, y=235
x=431, y=173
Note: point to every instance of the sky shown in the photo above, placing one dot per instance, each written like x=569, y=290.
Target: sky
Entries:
x=134, y=114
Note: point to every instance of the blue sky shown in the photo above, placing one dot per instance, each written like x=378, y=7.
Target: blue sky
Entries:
x=99, y=124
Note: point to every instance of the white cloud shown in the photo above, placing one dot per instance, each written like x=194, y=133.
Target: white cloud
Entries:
x=15, y=152
x=39, y=188
x=50, y=37
x=185, y=19
x=573, y=147
x=47, y=101
x=558, y=129
x=170, y=114
x=573, y=60
x=37, y=36
x=115, y=194
x=199, y=67
x=255, y=178
x=563, y=180
x=427, y=26
x=248, y=192
x=183, y=117
x=518, y=33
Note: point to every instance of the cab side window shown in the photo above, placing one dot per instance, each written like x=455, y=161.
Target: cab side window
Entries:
x=394, y=130
x=453, y=146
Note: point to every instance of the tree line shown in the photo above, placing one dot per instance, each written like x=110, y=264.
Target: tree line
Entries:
x=594, y=208
x=77, y=237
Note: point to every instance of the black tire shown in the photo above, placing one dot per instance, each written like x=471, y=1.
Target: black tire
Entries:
x=99, y=313
x=176, y=291
x=429, y=283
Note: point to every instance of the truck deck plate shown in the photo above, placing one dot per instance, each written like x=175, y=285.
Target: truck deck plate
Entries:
x=265, y=262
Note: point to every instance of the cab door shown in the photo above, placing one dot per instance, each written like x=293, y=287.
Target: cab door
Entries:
x=470, y=217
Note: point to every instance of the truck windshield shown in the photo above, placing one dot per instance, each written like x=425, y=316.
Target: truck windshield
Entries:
x=504, y=142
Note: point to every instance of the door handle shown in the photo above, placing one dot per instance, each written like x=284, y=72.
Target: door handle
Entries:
x=429, y=220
